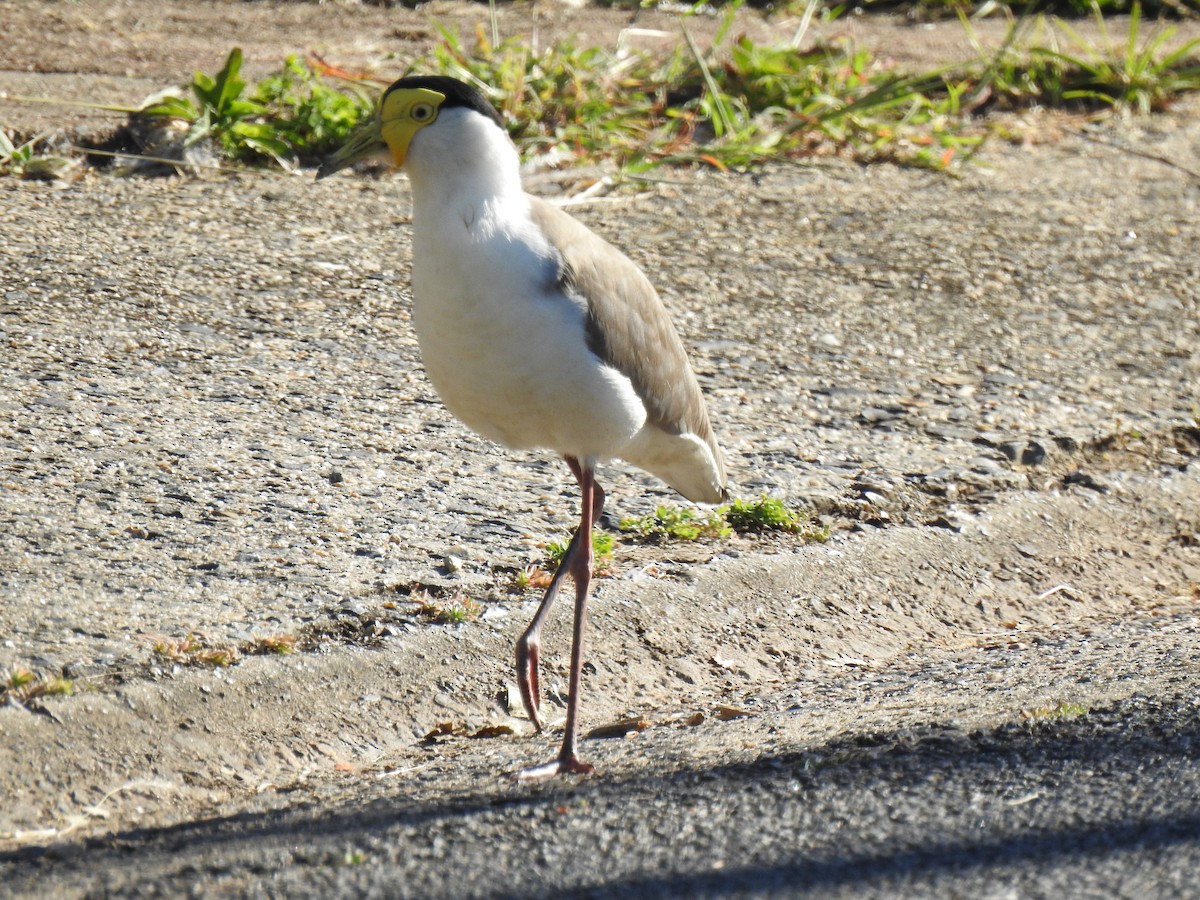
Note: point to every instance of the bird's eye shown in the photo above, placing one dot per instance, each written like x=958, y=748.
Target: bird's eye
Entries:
x=422, y=112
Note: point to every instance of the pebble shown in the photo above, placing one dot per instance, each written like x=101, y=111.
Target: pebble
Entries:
x=246, y=436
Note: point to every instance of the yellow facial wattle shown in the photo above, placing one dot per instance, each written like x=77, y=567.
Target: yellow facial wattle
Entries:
x=404, y=113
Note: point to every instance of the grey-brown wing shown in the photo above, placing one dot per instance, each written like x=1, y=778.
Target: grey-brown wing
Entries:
x=628, y=326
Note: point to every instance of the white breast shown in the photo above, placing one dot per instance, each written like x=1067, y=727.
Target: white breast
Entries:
x=502, y=345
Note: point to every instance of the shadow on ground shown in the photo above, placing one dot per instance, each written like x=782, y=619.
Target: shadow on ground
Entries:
x=841, y=817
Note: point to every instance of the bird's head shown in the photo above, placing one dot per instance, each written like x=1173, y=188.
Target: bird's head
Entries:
x=405, y=108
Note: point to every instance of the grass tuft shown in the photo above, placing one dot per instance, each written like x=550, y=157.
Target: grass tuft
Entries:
x=734, y=105
x=1138, y=75
x=448, y=611
x=193, y=651
x=278, y=645
x=678, y=523
x=295, y=115
x=1063, y=711
x=603, y=544
x=23, y=685
x=772, y=514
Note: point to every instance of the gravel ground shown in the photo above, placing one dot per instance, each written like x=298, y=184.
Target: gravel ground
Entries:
x=215, y=423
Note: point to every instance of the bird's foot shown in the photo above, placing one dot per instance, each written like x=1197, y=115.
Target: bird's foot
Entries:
x=564, y=765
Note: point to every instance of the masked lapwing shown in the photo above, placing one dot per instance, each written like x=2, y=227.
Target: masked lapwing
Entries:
x=536, y=332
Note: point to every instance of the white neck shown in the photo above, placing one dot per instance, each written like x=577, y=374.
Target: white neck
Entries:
x=470, y=167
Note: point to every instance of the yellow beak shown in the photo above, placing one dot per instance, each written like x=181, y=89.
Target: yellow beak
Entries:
x=365, y=141
x=389, y=129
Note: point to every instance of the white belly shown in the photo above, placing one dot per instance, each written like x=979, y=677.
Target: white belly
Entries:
x=507, y=354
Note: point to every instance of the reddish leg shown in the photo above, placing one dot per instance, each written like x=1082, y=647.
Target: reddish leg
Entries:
x=577, y=561
x=529, y=645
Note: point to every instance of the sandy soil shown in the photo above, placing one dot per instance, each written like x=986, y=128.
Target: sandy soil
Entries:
x=215, y=423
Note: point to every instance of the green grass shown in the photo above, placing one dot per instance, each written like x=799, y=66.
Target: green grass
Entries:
x=1062, y=711
x=602, y=552
x=193, y=650
x=1137, y=74
x=677, y=523
x=771, y=514
x=453, y=610
x=295, y=115
x=22, y=685
x=1061, y=69
x=736, y=105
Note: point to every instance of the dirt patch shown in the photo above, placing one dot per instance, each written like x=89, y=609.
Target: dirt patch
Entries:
x=215, y=423
x=117, y=53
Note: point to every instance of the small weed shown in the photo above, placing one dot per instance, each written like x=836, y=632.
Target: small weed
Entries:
x=1063, y=711
x=603, y=544
x=219, y=112
x=763, y=514
x=280, y=645
x=192, y=651
x=175, y=649
x=24, y=161
x=18, y=679
x=532, y=577
x=309, y=116
x=53, y=687
x=215, y=657
x=22, y=685
x=1139, y=77
x=771, y=514
x=292, y=115
x=677, y=523
x=450, y=611
x=556, y=552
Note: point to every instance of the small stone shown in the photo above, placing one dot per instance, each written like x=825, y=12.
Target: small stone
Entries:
x=1083, y=479
x=876, y=415
x=1034, y=454
x=1012, y=449
x=953, y=520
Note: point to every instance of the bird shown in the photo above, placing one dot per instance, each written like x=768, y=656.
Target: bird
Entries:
x=536, y=333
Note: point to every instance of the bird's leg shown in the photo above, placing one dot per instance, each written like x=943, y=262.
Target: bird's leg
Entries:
x=581, y=574
x=579, y=562
x=529, y=645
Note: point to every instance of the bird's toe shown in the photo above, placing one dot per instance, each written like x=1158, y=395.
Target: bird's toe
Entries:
x=571, y=765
